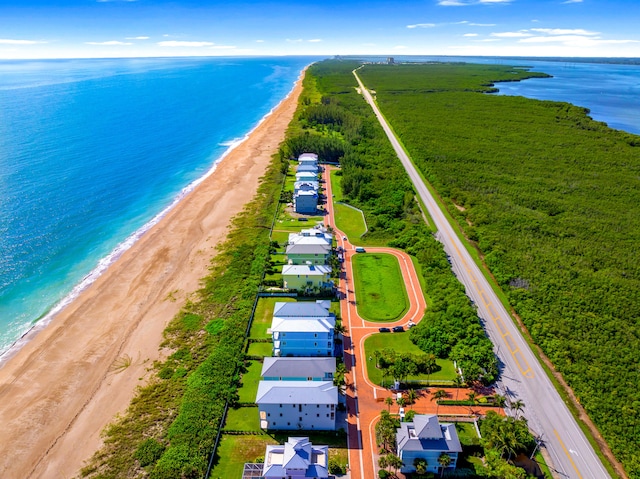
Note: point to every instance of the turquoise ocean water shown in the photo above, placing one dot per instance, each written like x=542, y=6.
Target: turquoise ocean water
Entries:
x=92, y=151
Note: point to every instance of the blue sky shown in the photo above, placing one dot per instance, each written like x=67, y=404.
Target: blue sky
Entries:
x=134, y=28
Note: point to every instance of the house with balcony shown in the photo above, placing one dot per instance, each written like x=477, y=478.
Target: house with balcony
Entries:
x=305, y=202
x=302, y=252
x=315, y=235
x=308, y=168
x=307, y=277
x=425, y=438
x=297, y=405
x=307, y=309
x=308, y=159
x=306, y=176
x=303, y=336
x=297, y=458
x=298, y=369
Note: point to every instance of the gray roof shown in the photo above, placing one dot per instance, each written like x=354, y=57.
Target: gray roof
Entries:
x=426, y=433
x=293, y=324
x=302, y=309
x=308, y=156
x=307, y=167
x=296, y=453
x=304, y=248
x=298, y=367
x=306, y=269
x=297, y=392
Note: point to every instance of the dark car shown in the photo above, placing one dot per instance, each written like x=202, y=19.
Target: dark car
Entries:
x=384, y=330
x=398, y=329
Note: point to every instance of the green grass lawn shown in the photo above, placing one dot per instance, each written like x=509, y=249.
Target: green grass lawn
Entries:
x=243, y=419
x=401, y=342
x=380, y=289
x=249, y=389
x=260, y=349
x=348, y=220
x=263, y=316
x=234, y=451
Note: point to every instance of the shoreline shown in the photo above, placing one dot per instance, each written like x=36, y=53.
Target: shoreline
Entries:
x=104, y=263
x=61, y=388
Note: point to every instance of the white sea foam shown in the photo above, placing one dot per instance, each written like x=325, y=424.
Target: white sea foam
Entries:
x=108, y=260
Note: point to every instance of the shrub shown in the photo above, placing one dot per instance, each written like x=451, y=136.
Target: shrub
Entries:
x=149, y=451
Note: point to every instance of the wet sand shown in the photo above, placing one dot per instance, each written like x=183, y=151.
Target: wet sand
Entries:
x=64, y=386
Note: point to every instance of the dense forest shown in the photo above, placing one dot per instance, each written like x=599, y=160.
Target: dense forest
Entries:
x=551, y=199
x=374, y=180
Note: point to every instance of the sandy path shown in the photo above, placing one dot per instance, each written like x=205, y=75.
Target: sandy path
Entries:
x=60, y=390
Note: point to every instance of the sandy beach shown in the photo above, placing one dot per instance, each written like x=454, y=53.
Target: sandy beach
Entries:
x=63, y=387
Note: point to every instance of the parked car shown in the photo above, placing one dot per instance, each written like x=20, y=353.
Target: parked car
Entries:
x=360, y=249
x=410, y=324
x=398, y=329
x=384, y=330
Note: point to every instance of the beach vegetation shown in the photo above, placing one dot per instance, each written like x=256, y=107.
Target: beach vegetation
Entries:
x=549, y=199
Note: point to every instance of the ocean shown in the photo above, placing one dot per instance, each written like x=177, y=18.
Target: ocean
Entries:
x=93, y=152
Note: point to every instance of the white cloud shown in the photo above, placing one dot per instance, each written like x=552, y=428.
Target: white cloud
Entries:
x=575, y=40
x=564, y=31
x=520, y=34
x=259, y=41
x=422, y=25
x=177, y=43
x=482, y=24
x=315, y=40
x=573, y=1
x=137, y=38
x=489, y=40
x=470, y=35
x=9, y=41
x=223, y=47
x=110, y=42
x=109, y=1
x=296, y=40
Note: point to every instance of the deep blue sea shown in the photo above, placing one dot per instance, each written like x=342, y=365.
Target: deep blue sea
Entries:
x=92, y=151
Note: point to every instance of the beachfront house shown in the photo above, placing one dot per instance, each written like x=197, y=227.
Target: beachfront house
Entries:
x=425, y=438
x=305, y=202
x=306, y=186
x=311, y=236
x=308, y=168
x=303, y=337
x=298, y=369
x=297, y=458
x=307, y=277
x=308, y=252
x=308, y=159
x=308, y=309
x=297, y=405
x=306, y=176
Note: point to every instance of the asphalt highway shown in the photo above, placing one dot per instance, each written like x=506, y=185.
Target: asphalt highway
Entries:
x=522, y=376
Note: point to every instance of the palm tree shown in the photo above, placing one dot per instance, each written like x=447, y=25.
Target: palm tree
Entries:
x=389, y=402
x=394, y=462
x=445, y=461
x=517, y=406
x=458, y=382
x=420, y=464
x=411, y=397
x=471, y=396
x=436, y=396
x=499, y=400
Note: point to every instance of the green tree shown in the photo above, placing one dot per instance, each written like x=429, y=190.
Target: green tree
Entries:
x=444, y=460
x=458, y=382
x=517, y=406
x=420, y=464
x=412, y=396
x=394, y=462
x=389, y=402
x=471, y=396
x=436, y=396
